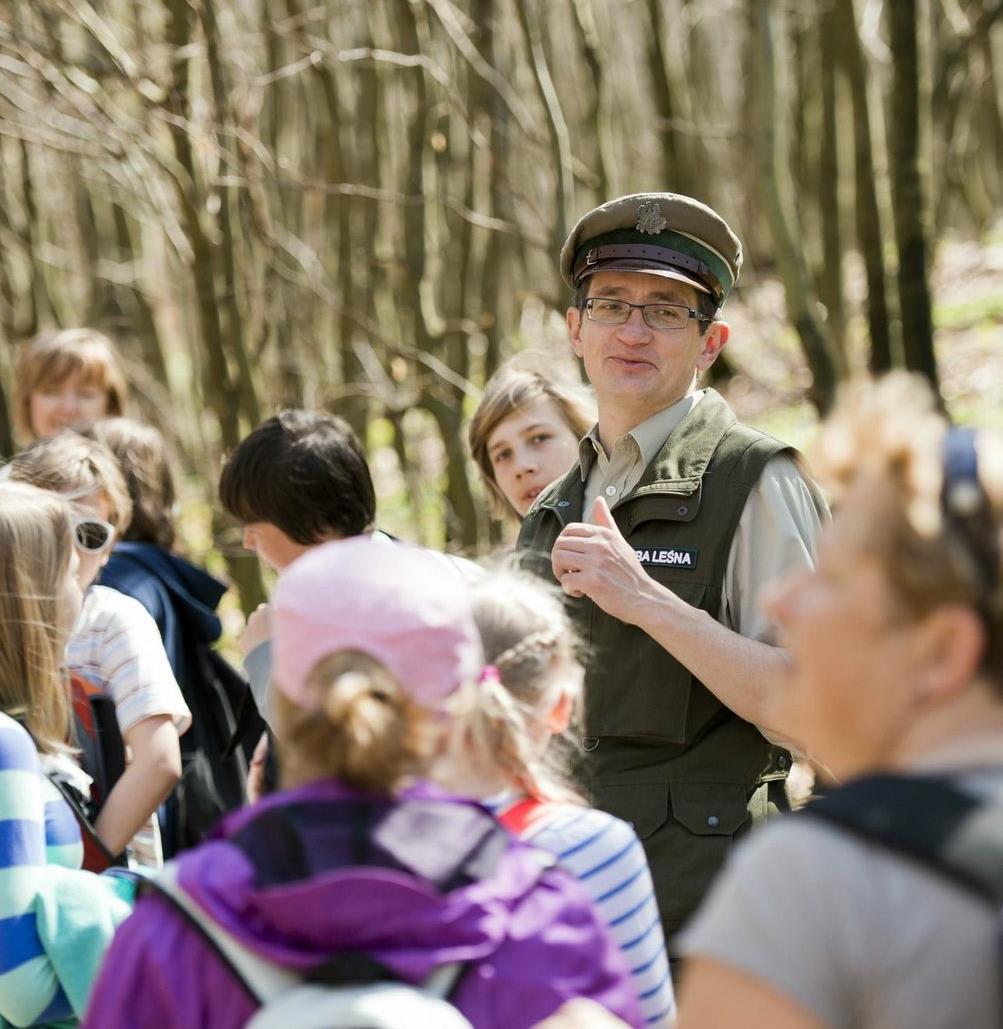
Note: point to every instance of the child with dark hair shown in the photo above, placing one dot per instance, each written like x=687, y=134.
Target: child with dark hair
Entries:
x=298, y=480
x=182, y=599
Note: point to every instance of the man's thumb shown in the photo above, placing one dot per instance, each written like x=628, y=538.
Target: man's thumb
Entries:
x=601, y=514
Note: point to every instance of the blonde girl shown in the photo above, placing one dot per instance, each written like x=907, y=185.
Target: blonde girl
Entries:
x=59, y=918
x=512, y=749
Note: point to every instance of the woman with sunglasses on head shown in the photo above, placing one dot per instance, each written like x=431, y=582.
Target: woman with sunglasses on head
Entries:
x=875, y=906
x=55, y=921
x=115, y=644
x=66, y=379
x=359, y=868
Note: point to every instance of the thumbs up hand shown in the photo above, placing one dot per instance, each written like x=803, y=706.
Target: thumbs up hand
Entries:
x=595, y=561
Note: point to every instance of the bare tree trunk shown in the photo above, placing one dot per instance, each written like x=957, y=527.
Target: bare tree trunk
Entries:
x=866, y=208
x=218, y=387
x=557, y=126
x=677, y=170
x=588, y=38
x=831, y=279
x=908, y=193
x=775, y=185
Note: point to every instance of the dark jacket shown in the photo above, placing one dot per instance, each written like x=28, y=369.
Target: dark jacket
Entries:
x=181, y=598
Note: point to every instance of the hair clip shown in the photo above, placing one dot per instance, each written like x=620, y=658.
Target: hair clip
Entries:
x=489, y=673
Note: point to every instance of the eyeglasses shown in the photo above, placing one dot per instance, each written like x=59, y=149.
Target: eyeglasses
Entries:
x=656, y=316
x=92, y=535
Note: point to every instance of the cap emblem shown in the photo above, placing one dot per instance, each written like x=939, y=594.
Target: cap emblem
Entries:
x=650, y=218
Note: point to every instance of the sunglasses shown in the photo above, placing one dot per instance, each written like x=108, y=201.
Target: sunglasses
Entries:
x=92, y=535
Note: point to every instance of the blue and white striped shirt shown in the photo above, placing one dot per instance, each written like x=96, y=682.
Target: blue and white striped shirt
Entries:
x=37, y=828
x=606, y=856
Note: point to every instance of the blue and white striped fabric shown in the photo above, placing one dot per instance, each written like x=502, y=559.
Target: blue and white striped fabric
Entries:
x=37, y=828
x=606, y=856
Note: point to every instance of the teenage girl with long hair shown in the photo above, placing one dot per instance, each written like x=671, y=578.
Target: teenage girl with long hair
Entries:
x=55, y=920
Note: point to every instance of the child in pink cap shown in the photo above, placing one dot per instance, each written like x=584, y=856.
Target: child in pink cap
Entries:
x=358, y=856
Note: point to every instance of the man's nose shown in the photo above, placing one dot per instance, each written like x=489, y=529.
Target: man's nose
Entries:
x=635, y=328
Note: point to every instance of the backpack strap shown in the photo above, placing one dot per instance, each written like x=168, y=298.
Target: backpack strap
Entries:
x=265, y=981
x=954, y=833
x=262, y=980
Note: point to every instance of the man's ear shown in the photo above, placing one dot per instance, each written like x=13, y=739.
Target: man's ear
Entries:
x=574, y=319
x=953, y=646
x=714, y=339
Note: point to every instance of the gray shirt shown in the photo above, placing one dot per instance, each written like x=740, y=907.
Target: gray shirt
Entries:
x=854, y=934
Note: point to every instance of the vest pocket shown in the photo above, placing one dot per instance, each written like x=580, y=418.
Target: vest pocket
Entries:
x=709, y=808
x=645, y=805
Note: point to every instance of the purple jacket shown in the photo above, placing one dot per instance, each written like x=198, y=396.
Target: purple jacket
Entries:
x=531, y=940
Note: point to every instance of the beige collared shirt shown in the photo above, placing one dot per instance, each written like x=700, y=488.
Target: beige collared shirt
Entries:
x=776, y=535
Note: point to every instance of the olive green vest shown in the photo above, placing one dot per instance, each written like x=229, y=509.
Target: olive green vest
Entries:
x=680, y=519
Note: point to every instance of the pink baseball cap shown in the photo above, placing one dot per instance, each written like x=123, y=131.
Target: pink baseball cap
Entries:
x=400, y=604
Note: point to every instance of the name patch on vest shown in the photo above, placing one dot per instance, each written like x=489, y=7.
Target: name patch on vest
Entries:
x=673, y=557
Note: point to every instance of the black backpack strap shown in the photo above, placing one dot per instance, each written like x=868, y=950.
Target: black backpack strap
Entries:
x=926, y=818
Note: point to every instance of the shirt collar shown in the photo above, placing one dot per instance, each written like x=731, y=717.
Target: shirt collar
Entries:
x=650, y=435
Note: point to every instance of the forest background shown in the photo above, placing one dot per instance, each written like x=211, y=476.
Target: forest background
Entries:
x=357, y=205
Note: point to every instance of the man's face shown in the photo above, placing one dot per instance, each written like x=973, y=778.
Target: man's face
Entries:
x=636, y=370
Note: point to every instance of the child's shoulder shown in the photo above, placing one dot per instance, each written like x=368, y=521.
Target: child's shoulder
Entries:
x=17, y=749
x=580, y=826
x=104, y=607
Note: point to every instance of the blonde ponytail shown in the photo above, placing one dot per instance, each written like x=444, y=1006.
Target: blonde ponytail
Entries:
x=366, y=731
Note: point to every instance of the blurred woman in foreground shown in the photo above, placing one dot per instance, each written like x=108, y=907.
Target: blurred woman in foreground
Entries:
x=896, y=646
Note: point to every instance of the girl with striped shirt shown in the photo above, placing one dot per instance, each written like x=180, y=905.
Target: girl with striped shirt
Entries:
x=55, y=920
x=511, y=750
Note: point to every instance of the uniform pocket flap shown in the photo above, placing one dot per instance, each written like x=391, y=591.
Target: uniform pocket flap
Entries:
x=709, y=808
x=644, y=805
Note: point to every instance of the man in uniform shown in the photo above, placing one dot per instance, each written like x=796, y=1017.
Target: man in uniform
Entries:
x=665, y=533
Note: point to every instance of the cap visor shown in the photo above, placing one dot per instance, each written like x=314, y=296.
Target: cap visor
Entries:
x=627, y=265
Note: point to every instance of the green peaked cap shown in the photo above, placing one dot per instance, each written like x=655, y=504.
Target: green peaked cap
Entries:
x=665, y=234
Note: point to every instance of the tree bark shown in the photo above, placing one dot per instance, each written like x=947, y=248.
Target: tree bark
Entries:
x=908, y=193
x=831, y=279
x=775, y=186
x=867, y=211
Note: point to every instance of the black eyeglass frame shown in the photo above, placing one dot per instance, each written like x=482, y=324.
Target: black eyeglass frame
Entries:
x=643, y=308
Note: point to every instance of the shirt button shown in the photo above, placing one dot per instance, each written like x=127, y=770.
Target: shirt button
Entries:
x=611, y=491
x=713, y=821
